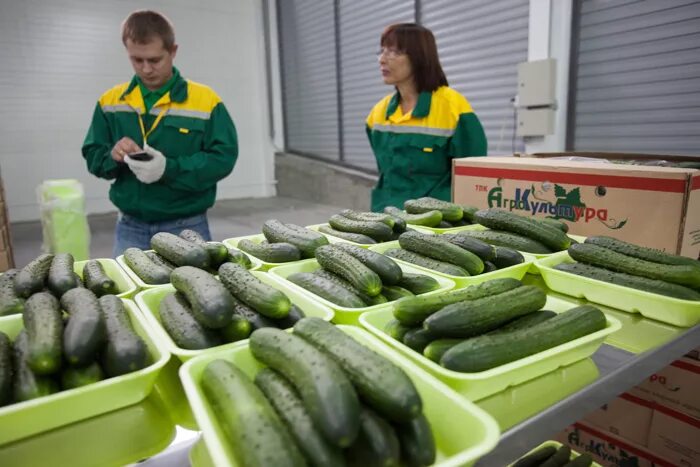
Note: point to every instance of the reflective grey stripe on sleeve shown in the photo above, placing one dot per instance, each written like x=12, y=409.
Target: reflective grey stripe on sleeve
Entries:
x=421, y=130
x=121, y=108
x=183, y=113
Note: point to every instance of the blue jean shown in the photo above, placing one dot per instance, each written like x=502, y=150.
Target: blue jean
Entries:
x=131, y=232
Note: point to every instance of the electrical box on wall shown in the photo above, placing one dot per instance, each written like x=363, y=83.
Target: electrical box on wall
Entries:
x=536, y=97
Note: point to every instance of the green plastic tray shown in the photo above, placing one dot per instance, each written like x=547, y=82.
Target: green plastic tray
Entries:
x=522, y=401
x=683, y=313
x=257, y=238
x=517, y=272
x=125, y=286
x=557, y=445
x=334, y=239
x=475, y=386
x=463, y=432
x=120, y=437
x=345, y=315
x=169, y=389
x=149, y=303
x=35, y=416
x=199, y=455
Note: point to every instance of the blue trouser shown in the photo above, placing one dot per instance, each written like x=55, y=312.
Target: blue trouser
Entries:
x=131, y=232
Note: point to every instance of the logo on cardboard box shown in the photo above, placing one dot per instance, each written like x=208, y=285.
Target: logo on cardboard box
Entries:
x=556, y=202
x=603, y=450
x=661, y=379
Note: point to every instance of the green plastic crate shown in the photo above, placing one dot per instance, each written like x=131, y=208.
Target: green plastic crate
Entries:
x=149, y=303
x=36, y=416
x=125, y=286
x=199, y=455
x=462, y=431
x=557, y=445
x=674, y=311
x=516, y=272
x=344, y=315
x=63, y=220
x=475, y=386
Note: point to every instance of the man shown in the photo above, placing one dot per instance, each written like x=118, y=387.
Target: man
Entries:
x=184, y=133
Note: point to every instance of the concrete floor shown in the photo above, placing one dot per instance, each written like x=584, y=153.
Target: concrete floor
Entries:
x=228, y=218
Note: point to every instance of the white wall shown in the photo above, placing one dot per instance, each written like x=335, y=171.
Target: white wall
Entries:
x=58, y=56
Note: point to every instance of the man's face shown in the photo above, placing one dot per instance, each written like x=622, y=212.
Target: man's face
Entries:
x=152, y=62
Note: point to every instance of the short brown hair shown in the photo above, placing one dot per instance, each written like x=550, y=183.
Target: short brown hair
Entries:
x=143, y=26
x=419, y=44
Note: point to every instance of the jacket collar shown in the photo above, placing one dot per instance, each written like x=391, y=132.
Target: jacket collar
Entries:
x=178, y=93
x=422, y=108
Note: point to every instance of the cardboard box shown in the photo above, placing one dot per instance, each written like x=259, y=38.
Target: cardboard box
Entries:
x=627, y=416
x=657, y=207
x=607, y=449
x=677, y=386
x=675, y=436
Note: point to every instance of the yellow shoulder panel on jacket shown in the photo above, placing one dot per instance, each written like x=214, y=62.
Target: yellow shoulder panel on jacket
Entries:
x=111, y=96
x=457, y=102
x=378, y=112
x=200, y=98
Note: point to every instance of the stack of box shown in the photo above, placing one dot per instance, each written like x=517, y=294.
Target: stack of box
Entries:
x=6, y=259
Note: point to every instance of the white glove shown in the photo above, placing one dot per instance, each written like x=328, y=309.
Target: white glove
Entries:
x=148, y=171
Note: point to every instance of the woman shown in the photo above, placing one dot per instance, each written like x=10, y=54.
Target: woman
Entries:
x=417, y=131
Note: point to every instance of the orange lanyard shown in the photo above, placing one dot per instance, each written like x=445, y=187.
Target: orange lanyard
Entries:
x=145, y=133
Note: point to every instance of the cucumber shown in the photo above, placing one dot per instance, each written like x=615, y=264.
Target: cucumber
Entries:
x=584, y=460
x=474, y=317
x=368, y=217
x=5, y=369
x=251, y=426
x=628, y=280
x=61, y=277
x=486, y=352
x=290, y=408
x=377, y=300
x=559, y=459
x=263, y=298
x=437, y=348
x=444, y=225
x=489, y=267
x=178, y=321
x=238, y=257
x=84, y=334
x=97, y=280
x=636, y=251
x=271, y=252
x=353, y=237
x=368, y=301
x=238, y=329
x=399, y=224
x=325, y=288
x=10, y=302
x=525, y=322
x=295, y=314
x=306, y=240
x=217, y=251
x=535, y=458
x=382, y=385
x=349, y=268
x=378, y=231
x=326, y=391
x=426, y=219
x=44, y=326
x=418, y=283
x=211, y=302
x=418, y=338
x=508, y=240
x=450, y=211
x=553, y=223
x=73, y=377
x=480, y=248
x=460, y=223
x=31, y=278
x=468, y=212
x=424, y=261
x=376, y=443
x=179, y=251
x=507, y=257
x=598, y=256
x=78, y=281
x=147, y=270
x=125, y=350
x=413, y=310
x=498, y=219
x=394, y=292
x=435, y=247
x=160, y=261
x=255, y=319
x=386, y=268
x=417, y=442
x=26, y=384
x=396, y=329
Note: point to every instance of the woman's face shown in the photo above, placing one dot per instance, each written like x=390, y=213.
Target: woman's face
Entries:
x=395, y=66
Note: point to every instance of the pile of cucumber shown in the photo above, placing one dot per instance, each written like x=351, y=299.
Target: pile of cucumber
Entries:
x=432, y=212
x=617, y=262
x=94, y=340
x=205, y=312
x=528, y=234
x=187, y=249
x=52, y=273
x=283, y=243
x=364, y=227
x=453, y=254
x=354, y=277
x=323, y=399
x=550, y=456
x=487, y=325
